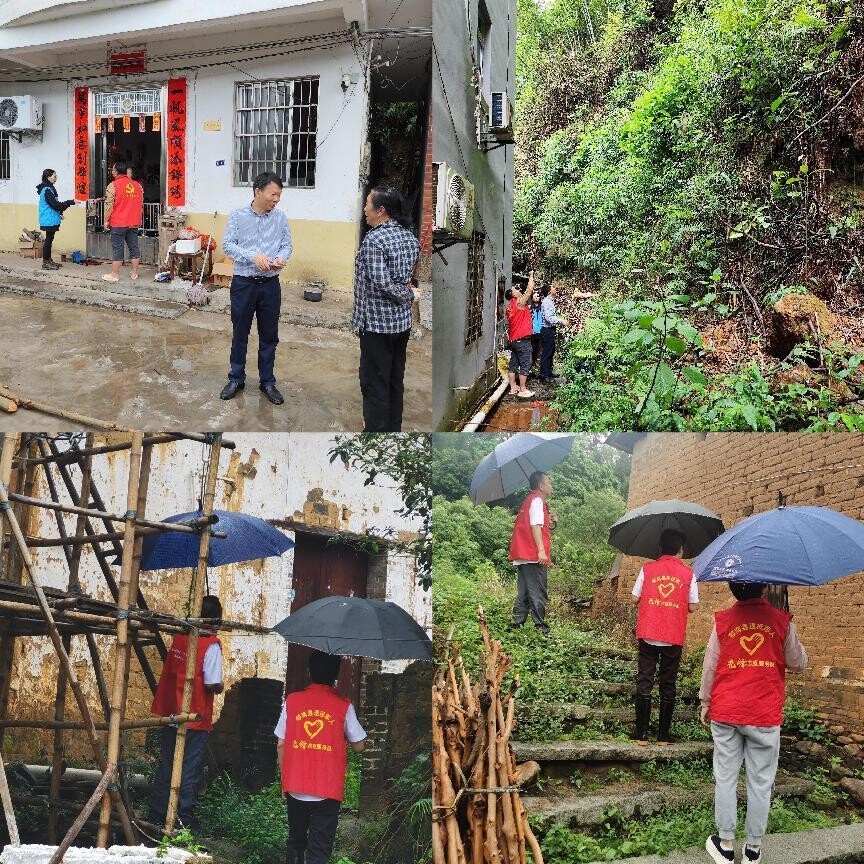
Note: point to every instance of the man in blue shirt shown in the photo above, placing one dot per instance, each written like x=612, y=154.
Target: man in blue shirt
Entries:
x=258, y=241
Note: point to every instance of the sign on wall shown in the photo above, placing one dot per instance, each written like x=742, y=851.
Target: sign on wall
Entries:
x=82, y=145
x=127, y=62
x=176, y=139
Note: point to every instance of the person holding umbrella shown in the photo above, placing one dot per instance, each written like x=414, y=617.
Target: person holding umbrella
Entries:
x=168, y=700
x=531, y=551
x=666, y=593
x=742, y=694
x=312, y=732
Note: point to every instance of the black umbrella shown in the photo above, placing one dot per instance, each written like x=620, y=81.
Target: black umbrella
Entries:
x=638, y=531
x=357, y=627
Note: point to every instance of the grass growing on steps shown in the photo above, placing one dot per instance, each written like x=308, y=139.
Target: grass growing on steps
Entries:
x=664, y=832
x=687, y=773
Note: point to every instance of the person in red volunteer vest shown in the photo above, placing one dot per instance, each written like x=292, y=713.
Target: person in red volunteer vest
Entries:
x=665, y=592
x=531, y=551
x=742, y=694
x=520, y=327
x=169, y=699
x=124, y=209
x=314, y=731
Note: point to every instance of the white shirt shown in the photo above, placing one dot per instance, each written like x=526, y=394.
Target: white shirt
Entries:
x=693, y=597
x=213, y=664
x=354, y=732
x=536, y=516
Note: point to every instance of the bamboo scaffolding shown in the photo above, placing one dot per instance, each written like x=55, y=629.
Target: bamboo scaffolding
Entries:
x=192, y=647
x=134, y=507
x=6, y=799
x=193, y=526
x=142, y=723
x=106, y=621
x=107, y=778
x=478, y=815
x=5, y=507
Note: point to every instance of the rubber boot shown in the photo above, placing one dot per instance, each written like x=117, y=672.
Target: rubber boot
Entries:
x=643, y=720
x=667, y=709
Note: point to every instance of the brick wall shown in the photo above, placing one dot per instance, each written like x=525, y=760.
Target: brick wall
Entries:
x=736, y=475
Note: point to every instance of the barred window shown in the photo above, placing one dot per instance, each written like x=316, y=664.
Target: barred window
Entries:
x=118, y=102
x=476, y=270
x=275, y=129
x=5, y=158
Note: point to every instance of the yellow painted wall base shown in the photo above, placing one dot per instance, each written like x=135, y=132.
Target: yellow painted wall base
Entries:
x=322, y=250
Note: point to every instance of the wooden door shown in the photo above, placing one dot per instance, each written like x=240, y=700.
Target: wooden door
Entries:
x=324, y=569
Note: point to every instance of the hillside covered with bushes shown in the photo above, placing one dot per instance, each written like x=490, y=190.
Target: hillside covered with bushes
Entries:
x=699, y=166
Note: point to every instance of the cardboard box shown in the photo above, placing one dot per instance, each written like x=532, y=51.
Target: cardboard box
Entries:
x=222, y=273
x=31, y=248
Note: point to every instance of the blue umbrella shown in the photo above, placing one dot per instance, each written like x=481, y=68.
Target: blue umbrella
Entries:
x=786, y=546
x=508, y=467
x=249, y=538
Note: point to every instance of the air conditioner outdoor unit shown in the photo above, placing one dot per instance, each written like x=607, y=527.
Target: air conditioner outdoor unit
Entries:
x=454, y=203
x=20, y=113
x=501, y=116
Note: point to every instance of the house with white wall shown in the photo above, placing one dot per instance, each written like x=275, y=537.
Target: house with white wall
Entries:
x=199, y=98
x=473, y=90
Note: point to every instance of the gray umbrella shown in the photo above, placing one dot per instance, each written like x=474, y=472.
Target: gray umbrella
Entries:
x=638, y=531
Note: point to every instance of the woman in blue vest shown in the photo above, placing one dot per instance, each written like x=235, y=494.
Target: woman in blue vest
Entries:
x=50, y=213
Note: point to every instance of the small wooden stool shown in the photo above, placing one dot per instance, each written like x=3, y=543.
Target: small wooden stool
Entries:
x=182, y=261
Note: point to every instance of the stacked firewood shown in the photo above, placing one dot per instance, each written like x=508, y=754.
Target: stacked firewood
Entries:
x=479, y=817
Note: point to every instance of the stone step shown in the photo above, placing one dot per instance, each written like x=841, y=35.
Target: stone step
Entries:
x=87, y=296
x=561, y=758
x=843, y=844
x=577, y=811
x=628, y=688
x=583, y=713
x=607, y=653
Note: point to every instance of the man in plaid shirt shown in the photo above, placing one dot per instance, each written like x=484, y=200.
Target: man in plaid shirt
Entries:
x=383, y=299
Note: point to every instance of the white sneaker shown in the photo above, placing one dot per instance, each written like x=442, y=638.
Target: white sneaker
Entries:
x=751, y=855
x=717, y=852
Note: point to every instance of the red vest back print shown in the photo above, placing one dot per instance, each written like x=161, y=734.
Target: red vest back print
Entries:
x=664, y=599
x=522, y=545
x=128, y=204
x=750, y=684
x=314, y=760
x=169, y=694
x=520, y=321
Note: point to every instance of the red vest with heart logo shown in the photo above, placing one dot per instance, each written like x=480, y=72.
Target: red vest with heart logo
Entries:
x=128, y=204
x=664, y=599
x=169, y=694
x=750, y=684
x=522, y=545
x=314, y=759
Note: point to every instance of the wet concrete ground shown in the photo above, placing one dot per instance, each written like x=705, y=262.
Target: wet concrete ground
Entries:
x=156, y=373
x=522, y=415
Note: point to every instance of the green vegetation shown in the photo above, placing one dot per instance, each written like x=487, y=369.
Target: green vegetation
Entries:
x=801, y=721
x=694, y=164
x=660, y=834
x=687, y=773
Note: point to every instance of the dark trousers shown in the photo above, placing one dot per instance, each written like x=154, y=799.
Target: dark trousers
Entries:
x=531, y=594
x=311, y=830
x=669, y=658
x=382, y=379
x=49, y=242
x=251, y=298
x=535, y=348
x=547, y=349
x=194, y=761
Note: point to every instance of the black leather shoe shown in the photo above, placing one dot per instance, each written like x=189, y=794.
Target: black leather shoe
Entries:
x=231, y=389
x=270, y=391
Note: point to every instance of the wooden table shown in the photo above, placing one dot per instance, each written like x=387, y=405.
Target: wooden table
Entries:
x=188, y=261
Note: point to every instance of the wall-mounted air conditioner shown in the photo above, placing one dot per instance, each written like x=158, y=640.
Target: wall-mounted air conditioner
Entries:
x=500, y=115
x=20, y=114
x=454, y=203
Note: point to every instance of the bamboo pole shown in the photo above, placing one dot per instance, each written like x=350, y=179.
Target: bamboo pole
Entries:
x=136, y=623
x=143, y=723
x=47, y=542
x=84, y=815
x=191, y=651
x=11, y=824
x=57, y=758
x=121, y=649
x=191, y=527
x=45, y=408
x=5, y=507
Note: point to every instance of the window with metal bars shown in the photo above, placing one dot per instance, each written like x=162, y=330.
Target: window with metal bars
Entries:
x=476, y=270
x=5, y=157
x=275, y=129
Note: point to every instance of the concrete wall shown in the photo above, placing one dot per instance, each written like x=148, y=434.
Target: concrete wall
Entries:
x=736, y=475
x=324, y=219
x=457, y=368
x=273, y=476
